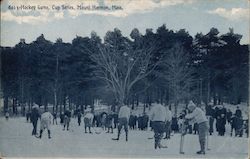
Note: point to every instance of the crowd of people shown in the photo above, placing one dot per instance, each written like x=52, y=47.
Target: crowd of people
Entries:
x=160, y=119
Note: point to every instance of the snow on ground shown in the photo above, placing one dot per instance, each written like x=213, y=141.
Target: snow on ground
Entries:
x=16, y=141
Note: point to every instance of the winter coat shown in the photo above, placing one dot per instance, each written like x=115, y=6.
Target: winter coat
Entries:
x=34, y=115
x=238, y=113
x=124, y=112
x=158, y=113
x=197, y=116
x=67, y=113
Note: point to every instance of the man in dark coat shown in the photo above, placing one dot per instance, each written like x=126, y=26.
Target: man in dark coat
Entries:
x=239, y=126
x=174, y=125
x=238, y=112
x=221, y=120
x=67, y=116
x=62, y=118
x=131, y=121
x=34, y=118
x=115, y=120
x=145, y=119
x=140, y=121
x=108, y=122
x=79, y=117
x=229, y=115
x=54, y=118
x=210, y=113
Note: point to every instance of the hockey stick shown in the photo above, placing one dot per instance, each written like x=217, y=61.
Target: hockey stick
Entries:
x=181, y=144
x=183, y=133
x=207, y=142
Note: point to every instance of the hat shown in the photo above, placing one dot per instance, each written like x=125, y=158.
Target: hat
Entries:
x=35, y=106
x=191, y=104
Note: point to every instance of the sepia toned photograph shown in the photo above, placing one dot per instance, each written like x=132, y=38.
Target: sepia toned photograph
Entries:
x=124, y=79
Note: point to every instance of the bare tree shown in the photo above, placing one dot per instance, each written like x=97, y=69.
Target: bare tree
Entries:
x=121, y=70
x=178, y=74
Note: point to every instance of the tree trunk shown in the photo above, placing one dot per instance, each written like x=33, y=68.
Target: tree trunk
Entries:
x=208, y=91
x=6, y=103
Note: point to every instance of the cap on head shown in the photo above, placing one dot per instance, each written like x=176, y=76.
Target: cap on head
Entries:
x=191, y=105
x=35, y=106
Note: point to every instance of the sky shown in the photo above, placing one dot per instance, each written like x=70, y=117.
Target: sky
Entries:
x=19, y=19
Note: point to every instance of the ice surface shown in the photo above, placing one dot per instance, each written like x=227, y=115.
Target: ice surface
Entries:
x=16, y=141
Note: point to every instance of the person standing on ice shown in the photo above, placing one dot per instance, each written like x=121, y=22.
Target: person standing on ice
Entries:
x=158, y=117
x=88, y=121
x=67, y=115
x=123, y=118
x=198, y=116
x=79, y=117
x=238, y=112
x=34, y=115
x=46, y=118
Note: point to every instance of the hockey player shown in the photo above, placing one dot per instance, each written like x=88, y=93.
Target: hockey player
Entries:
x=34, y=118
x=88, y=121
x=46, y=118
x=198, y=116
x=123, y=118
x=158, y=116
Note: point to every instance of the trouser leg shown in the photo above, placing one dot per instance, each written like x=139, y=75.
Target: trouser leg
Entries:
x=126, y=131
x=202, y=135
x=49, y=134
x=41, y=132
x=119, y=130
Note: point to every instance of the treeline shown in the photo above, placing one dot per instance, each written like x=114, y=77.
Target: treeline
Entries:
x=166, y=66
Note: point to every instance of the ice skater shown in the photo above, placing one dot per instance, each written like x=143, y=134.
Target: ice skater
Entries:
x=198, y=116
x=123, y=118
x=46, y=118
x=158, y=116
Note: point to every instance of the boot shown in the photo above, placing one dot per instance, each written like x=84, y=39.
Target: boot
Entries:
x=156, y=145
x=201, y=152
x=117, y=137
x=126, y=137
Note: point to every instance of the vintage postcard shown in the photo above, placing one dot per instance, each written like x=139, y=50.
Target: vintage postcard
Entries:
x=124, y=79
